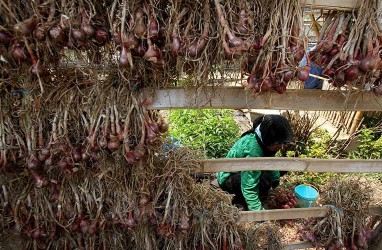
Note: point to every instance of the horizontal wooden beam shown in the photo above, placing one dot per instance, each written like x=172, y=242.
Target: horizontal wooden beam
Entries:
x=293, y=213
x=331, y=4
x=292, y=164
x=298, y=245
x=238, y=98
x=283, y=214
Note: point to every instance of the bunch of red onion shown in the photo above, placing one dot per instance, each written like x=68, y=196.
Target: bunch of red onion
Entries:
x=348, y=49
x=281, y=198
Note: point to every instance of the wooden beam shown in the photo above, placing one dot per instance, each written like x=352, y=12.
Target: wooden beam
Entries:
x=292, y=164
x=331, y=4
x=238, y=98
x=293, y=213
x=298, y=245
x=283, y=214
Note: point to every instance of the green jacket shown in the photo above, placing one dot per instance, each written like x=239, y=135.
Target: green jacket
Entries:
x=247, y=146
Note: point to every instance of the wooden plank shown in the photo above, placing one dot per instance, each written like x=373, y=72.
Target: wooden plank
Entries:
x=331, y=4
x=298, y=245
x=292, y=164
x=238, y=98
x=283, y=214
x=294, y=213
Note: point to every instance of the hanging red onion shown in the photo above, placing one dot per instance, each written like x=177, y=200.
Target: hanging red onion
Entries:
x=84, y=226
x=266, y=85
x=233, y=40
x=325, y=59
x=17, y=52
x=303, y=73
x=131, y=42
x=184, y=222
x=130, y=222
x=257, y=43
x=140, y=50
x=75, y=227
x=36, y=234
x=5, y=38
x=49, y=161
x=280, y=88
x=163, y=126
x=88, y=30
x=33, y=163
x=152, y=52
x=102, y=142
x=66, y=165
x=101, y=36
x=40, y=33
x=27, y=26
x=39, y=181
x=76, y=155
x=41, y=157
x=78, y=35
x=57, y=35
x=93, y=229
x=369, y=63
x=85, y=155
x=140, y=151
x=341, y=40
x=334, y=51
x=352, y=73
x=39, y=70
x=114, y=143
x=140, y=28
x=131, y=157
x=123, y=58
x=150, y=134
x=144, y=200
x=330, y=72
x=154, y=28
x=298, y=54
x=288, y=76
x=242, y=24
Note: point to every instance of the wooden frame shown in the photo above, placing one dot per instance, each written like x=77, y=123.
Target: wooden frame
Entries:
x=238, y=98
x=331, y=4
x=294, y=213
x=292, y=164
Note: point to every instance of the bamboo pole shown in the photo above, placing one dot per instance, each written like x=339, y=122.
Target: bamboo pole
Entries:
x=356, y=121
x=315, y=25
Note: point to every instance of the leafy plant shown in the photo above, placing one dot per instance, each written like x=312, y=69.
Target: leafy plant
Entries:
x=369, y=148
x=211, y=130
x=314, y=147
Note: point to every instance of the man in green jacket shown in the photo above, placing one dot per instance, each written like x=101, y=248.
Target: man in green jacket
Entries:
x=268, y=135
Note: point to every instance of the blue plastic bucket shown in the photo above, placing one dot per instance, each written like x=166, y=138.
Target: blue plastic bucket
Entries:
x=306, y=195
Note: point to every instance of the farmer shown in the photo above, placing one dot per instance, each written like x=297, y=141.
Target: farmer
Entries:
x=268, y=135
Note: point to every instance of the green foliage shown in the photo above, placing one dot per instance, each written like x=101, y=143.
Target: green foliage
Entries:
x=214, y=131
x=316, y=146
x=369, y=148
x=315, y=179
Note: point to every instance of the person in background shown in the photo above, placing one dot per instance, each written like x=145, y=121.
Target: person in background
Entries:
x=312, y=82
x=268, y=135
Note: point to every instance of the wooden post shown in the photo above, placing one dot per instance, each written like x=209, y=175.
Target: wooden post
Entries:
x=356, y=121
x=315, y=25
x=349, y=123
